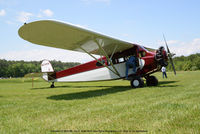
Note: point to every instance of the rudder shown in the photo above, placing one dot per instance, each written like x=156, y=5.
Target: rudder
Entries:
x=47, y=70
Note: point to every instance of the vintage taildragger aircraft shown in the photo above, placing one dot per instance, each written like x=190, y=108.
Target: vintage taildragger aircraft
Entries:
x=114, y=54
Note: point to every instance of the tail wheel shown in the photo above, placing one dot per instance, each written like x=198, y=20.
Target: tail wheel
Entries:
x=137, y=82
x=151, y=81
x=52, y=85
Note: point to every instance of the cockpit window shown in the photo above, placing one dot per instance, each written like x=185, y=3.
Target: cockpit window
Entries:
x=121, y=60
x=123, y=56
x=142, y=53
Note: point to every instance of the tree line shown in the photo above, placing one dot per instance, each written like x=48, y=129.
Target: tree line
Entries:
x=21, y=68
x=186, y=63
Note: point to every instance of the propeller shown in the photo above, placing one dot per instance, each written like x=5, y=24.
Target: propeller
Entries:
x=169, y=55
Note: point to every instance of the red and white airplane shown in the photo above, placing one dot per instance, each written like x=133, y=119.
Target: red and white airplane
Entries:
x=114, y=54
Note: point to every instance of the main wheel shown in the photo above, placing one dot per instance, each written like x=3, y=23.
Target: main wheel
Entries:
x=151, y=81
x=137, y=82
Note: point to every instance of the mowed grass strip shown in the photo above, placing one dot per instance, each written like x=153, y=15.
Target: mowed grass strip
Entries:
x=171, y=107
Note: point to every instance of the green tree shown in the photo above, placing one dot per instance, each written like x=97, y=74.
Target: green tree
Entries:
x=21, y=68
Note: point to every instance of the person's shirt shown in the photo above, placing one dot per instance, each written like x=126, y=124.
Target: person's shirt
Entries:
x=131, y=59
x=163, y=69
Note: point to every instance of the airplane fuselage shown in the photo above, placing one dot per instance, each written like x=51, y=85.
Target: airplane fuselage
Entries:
x=92, y=71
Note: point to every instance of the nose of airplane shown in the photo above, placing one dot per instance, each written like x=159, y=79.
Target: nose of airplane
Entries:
x=161, y=56
x=169, y=55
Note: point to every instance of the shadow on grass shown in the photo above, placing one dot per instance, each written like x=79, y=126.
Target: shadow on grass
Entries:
x=50, y=87
x=89, y=94
x=69, y=87
x=99, y=92
x=160, y=84
x=166, y=84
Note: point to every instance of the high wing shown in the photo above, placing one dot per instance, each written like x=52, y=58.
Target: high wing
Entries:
x=67, y=36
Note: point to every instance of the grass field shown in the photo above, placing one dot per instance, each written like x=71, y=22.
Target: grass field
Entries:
x=173, y=107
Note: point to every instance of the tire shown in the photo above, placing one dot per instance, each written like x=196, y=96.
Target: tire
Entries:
x=52, y=85
x=151, y=81
x=137, y=82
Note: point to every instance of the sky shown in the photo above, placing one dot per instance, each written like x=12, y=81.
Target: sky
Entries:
x=137, y=21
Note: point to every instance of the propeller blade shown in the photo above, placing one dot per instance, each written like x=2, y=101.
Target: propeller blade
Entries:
x=166, y=44
x=171, y=61
x=169, y=55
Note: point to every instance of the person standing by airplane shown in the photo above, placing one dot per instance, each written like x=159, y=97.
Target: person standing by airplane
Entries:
x=163, y=69
x=130, y=63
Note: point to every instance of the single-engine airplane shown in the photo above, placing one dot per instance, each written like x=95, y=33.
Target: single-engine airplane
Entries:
x=114, y=54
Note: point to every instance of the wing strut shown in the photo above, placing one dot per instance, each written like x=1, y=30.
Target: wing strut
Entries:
x=107, y=57
x=113, y=52
x=99, y=61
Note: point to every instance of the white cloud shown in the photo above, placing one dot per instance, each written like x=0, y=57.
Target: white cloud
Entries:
x=48, y=53
x=187, y=48
x=47, y=12
x=169, y=42
x=172, y=42
x=24, y=16
x=183, y=48
x=39, y=15
x=179, y=48
x=2, y=12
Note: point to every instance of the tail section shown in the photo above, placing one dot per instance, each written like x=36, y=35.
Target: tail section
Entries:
x=47, y=70
x=46, y=67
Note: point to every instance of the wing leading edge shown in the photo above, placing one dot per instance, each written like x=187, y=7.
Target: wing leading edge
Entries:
x=66, y=36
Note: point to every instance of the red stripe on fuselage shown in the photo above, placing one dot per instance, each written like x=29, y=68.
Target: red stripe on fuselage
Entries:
x=79, y=69
x=92, y=65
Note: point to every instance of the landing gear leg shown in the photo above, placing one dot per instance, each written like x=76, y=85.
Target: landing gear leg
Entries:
x=137, y=82
x=52, y=85
x=151, y=81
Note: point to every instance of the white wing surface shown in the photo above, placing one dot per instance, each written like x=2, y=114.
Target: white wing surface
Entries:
x=66, y=36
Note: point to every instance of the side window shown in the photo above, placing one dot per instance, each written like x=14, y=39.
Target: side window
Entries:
x=121, y=60
x=118, y=60
x=142, y=54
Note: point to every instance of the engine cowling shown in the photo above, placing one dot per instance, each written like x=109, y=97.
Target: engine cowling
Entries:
x=161, y=56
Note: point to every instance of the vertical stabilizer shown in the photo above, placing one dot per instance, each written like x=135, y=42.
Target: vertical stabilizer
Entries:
x=47, y=70
x=46, y=67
